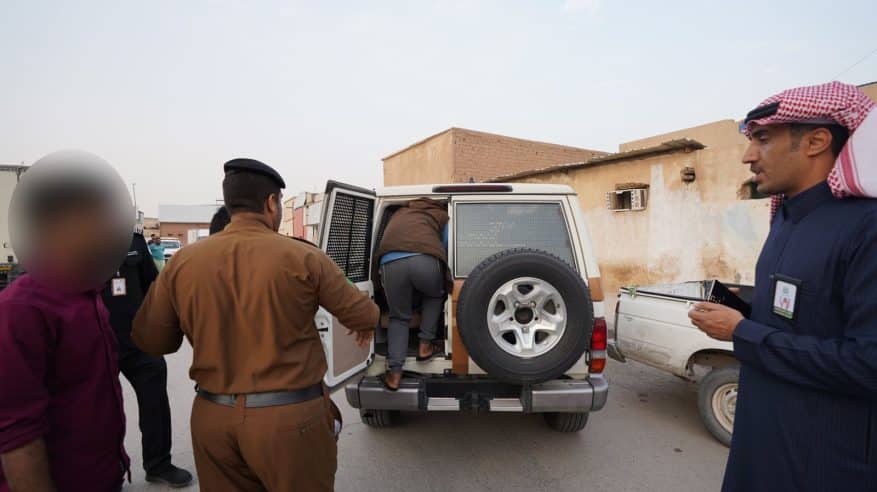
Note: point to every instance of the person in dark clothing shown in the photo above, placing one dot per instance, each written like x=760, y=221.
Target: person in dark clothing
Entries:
x=220, y=219
x=806, y=411
x=147, y=374
x=413, y=256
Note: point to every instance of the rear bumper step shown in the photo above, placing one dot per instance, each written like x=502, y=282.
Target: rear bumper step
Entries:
x=563, y=395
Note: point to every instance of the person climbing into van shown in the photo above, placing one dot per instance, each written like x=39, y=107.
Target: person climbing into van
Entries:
x=414, y=263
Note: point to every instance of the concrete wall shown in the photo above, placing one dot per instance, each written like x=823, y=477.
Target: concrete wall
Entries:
x=429, y=161
x=690, y=231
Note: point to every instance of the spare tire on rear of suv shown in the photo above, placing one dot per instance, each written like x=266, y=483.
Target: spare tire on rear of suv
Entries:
x=525, y=316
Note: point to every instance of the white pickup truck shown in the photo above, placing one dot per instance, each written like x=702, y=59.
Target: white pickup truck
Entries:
x=652, y=327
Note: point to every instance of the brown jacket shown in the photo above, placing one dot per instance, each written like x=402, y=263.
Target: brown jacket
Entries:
x=417, y=228
x=246, y=298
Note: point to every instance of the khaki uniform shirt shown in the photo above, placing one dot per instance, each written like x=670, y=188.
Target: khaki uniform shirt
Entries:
x=246, y=299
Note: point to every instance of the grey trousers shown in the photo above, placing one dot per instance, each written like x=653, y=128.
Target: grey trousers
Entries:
x=404, y=279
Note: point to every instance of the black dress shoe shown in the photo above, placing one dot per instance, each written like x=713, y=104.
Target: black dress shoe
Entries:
x=170, y=475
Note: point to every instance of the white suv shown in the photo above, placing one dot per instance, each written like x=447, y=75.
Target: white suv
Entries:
x=524, y=330
x=171, y=246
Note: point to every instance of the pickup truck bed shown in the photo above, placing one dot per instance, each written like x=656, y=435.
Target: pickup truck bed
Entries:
x=652, y=327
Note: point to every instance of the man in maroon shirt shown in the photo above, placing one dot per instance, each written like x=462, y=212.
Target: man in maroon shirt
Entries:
x=61, y=416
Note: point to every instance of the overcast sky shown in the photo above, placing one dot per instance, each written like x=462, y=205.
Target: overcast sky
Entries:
x=169, y=90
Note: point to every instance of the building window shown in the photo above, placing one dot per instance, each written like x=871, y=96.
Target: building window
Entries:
x=627, y=199
x=749, y=191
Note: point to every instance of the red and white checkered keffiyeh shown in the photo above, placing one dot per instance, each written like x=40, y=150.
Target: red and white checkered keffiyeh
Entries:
x=854, y=172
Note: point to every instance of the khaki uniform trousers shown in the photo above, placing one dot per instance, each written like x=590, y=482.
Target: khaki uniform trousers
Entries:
x=283, y=448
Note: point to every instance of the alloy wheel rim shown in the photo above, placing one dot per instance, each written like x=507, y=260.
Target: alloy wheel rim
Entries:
x=526, y=317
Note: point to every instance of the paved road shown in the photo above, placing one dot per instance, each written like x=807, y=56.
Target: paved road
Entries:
x=648, y=438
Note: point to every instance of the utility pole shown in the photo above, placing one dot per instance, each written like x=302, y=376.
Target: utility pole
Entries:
x=134, y=192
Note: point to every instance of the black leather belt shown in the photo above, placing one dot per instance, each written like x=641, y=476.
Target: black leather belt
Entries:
x=267, y=399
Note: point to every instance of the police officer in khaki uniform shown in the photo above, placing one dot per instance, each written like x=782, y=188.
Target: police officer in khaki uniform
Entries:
x=246, y=298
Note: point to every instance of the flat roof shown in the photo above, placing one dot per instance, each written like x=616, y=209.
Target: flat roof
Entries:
x=663, y=148
x=517, y=188
x=479, y=132
x=415, y=144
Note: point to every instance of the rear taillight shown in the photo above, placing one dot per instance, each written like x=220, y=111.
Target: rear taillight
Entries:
x=598, y=336
x=597, y=361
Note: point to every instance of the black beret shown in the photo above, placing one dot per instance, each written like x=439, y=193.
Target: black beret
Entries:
x=242, y=165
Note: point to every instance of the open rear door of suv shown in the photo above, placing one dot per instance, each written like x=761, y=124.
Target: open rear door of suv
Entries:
x=346, y=236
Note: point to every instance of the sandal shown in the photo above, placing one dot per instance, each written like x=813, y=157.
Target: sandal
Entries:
x=437, y=350
x=383, y=379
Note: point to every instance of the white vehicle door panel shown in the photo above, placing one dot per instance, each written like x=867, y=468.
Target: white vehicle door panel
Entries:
x=658, y=332
x=346, y=236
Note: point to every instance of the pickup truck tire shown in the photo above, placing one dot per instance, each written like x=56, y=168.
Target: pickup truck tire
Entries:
x=499, y=310
x=377, y=418
x=717, y=400
x=566, y=422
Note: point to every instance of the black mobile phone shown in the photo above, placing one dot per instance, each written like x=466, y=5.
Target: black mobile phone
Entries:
x=720, y=294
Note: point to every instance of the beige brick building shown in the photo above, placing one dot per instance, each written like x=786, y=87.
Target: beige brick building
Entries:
x=460, y=155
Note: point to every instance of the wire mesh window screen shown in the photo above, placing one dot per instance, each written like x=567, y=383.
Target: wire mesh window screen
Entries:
x=484, y=229
x=349, y=241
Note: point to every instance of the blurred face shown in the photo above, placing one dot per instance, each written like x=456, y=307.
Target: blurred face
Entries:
x=775, y=159
x=73, y=245
x=71, y=220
